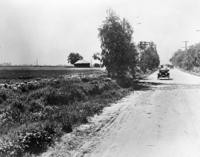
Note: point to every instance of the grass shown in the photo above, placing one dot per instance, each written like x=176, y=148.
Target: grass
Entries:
x=31, y=119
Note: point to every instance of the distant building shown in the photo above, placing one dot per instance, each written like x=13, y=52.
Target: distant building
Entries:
x=82, y=64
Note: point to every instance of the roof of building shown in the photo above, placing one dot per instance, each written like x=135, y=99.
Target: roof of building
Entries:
x=82, y=62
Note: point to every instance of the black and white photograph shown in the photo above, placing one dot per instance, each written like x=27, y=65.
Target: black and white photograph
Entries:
x=99, y=78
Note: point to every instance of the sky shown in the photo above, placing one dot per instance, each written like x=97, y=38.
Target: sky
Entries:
x=48, y=30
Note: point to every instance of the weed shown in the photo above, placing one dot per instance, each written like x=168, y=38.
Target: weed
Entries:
x=35, y=116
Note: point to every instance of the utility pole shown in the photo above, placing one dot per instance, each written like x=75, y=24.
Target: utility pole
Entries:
x=186, y=42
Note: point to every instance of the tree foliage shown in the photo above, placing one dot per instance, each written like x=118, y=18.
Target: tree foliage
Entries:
x=74, y=57
x=187, y=60
x=118, y=52
x=149, y=58
x=97, y=56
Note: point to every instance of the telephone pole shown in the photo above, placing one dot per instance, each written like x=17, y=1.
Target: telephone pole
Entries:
x=186, y=45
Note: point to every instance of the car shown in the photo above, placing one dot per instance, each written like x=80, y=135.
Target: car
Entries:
x=170, y=66
x=163, y=73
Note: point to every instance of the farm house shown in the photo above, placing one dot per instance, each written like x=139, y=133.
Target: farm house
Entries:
x=82, y=64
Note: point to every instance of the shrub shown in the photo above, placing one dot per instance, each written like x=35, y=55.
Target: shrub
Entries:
x=35, y=106
x=125, y=82
x=32, y=138
x=1, y=100
x=36, y=141
x=17, y=106
x=24, y=88
x=52, y=97
x=85, y=79
x=3, y=95
x=33, y=119
x=32, y=86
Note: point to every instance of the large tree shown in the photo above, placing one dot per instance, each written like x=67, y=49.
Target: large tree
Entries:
x=149, y=58
x=118, y=51
x=74, y=57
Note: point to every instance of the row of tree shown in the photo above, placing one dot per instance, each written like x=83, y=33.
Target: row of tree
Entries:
x=187, y=59
x=149, y=59
x=121, y=57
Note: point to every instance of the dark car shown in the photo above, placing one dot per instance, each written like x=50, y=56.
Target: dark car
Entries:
x=163, y=73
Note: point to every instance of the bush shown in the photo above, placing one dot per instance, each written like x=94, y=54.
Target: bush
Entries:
x=3, y=95
x=125, y=82
x=52, y=97
x=24, y=88
x=31, y=138
x=96, y=65
x=17, y=106
x=1, y=100
x=35, y=106
x=86, y=79
x=36, y=141
x=33, y=119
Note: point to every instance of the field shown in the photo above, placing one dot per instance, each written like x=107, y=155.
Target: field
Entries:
x=13, y=73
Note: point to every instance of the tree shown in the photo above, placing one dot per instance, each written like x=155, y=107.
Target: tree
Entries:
x=189, y=59
x=149, y=58
x=118, y=52
x=97, y=56
x=143, y=45
x=74, y=57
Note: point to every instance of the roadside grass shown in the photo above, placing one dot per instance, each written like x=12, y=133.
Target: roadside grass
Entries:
x=33, y=119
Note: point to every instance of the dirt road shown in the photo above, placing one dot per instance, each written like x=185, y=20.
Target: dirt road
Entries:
x=163, y=121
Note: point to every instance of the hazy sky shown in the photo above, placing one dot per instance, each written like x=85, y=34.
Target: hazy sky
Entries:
x=50, y=29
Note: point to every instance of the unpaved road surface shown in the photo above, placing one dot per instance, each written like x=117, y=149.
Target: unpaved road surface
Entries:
x=161, y=121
